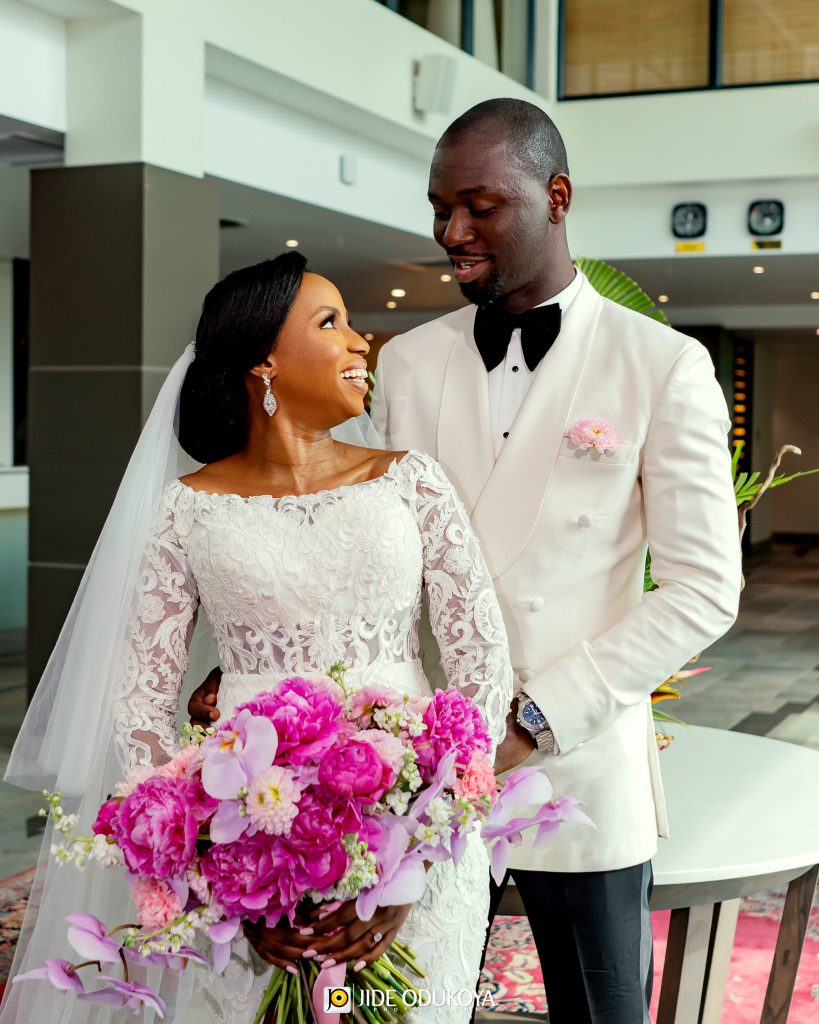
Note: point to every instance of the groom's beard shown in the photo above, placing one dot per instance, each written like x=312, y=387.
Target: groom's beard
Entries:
x=483, y=292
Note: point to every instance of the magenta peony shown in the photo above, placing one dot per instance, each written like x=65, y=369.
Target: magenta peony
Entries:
x=157, y=825
x=355, y=769
x=307, y=717
x=254, y=877
x=103, y=825
x=452, y=722
x=315, y=844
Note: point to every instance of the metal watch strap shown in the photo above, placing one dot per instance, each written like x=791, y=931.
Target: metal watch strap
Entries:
x=543, y=736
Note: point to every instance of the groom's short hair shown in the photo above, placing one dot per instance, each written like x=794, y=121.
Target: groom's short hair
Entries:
x=529, y=133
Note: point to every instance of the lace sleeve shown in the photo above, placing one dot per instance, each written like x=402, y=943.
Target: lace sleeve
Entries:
x=156, y=649
x=463, y=607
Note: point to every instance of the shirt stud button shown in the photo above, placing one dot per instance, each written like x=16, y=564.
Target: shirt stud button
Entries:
x=506, y=433
x=536, y=604
x=585, y=520
x=515, y=369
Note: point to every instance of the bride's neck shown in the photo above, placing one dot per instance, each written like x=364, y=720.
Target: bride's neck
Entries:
x=283, y=450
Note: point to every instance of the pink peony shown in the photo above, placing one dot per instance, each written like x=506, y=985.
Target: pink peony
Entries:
x=594, y=433
x=315, y=843
x=388, y=747
x=372, y=696
x=139, y=773
x=103, y=826
x=185, y=763
x=254, y=877
x=307, y=717
x=158, y=824
x=354, y=769
x=156, y=903
x=478, y=779
x=453, y=722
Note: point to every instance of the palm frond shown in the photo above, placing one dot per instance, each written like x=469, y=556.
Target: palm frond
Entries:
x=613, y=284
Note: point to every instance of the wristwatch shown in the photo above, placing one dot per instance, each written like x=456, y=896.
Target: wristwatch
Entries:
x=532, y=719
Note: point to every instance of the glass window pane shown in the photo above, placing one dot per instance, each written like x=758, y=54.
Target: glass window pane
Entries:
x=634, y=46
x=770, y=42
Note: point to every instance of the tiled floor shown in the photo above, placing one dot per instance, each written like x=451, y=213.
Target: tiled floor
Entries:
x=764, y=679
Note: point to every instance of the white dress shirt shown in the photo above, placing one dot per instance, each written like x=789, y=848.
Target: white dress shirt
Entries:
x=510, y=381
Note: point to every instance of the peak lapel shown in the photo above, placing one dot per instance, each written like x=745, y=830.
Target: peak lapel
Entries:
x=509, y=505
x=465, y=446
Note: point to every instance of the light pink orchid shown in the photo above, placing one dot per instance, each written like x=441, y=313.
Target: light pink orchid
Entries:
x=594, y=433
x=500, y=830
x=233, y=757
x=125, y=994
x=221, y=936
x=88, y=935
x=58, y=973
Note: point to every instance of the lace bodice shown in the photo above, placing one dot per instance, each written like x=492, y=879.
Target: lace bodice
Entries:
x=291, y=585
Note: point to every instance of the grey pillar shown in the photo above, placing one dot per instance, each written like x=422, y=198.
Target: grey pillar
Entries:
x=121, y=257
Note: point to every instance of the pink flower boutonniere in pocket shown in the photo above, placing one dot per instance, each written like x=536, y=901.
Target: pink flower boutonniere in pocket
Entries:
x=594, y=433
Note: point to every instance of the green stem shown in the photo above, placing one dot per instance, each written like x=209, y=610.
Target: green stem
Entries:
x=267, y=998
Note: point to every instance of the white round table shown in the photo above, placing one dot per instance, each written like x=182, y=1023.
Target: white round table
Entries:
x=744, y=814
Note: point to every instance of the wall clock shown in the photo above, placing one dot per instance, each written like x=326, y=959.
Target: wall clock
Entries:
x=689, y=220
x=766, y=217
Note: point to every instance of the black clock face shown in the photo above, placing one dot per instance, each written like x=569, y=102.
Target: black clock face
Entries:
x=766, y=217
x=688, y=220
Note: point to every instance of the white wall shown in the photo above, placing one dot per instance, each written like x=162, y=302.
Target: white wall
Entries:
x=795, y=507
x=713, y=135
x=634, y=221
x=32, y=65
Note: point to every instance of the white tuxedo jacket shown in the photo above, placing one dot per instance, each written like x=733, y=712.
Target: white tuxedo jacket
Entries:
x=565, y=536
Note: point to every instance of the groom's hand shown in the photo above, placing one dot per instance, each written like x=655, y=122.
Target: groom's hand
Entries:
x=517, y=744
x=202, y=705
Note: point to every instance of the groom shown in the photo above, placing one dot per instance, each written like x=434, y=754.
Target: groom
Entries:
x=502, y=393
x=576, y=432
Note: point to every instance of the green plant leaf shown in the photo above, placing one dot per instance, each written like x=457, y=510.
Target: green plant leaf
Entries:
x=613, y=284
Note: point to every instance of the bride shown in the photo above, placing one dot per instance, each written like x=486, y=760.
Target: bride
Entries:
x=300, y=551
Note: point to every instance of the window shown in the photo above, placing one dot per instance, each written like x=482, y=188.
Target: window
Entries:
x=499, y=33
x=634, y=47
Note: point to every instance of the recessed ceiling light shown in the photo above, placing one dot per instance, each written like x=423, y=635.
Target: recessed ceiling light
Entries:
x=291, y=243
x=391, y=305
x=817, y=330
x=368, y=336
x=662, y=298
x=814, y=295
x=446, y=277
x=398, y=293
x=759, y=270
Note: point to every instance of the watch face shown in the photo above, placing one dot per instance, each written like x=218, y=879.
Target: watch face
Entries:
x=688, y=220
x=532, y=715
x=766, y=217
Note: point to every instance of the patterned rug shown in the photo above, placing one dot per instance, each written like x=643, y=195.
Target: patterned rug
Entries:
x=512, y=972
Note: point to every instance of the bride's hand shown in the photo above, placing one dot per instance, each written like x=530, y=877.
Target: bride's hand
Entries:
x=354, y=939
x=281, y=946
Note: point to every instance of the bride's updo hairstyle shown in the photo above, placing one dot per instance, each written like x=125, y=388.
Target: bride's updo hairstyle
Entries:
x=238, y=329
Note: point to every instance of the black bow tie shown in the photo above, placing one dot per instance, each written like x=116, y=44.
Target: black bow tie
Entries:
x=493, y=330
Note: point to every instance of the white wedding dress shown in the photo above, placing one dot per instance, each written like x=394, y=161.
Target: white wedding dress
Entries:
x=289, y=586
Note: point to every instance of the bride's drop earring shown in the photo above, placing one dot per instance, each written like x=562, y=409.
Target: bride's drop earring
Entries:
x=270, y=404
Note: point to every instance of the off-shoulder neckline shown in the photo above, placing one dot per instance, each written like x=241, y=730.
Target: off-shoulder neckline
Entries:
x=291, y=498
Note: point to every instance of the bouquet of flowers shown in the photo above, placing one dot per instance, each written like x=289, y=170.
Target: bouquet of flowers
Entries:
x=309, y=795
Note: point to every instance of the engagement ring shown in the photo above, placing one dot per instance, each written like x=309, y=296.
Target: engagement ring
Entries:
x=377, y=937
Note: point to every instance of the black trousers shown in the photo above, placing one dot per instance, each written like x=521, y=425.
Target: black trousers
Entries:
x=592, y=930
